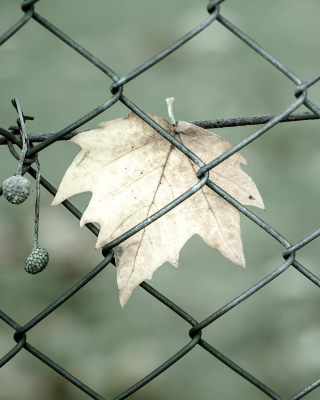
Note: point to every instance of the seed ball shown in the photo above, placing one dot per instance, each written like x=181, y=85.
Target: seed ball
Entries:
x=37, y=261
x=16, y=189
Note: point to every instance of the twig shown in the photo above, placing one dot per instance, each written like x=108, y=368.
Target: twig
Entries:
x=206, y=124
x=254, y=120
x=25, y=147
x=40, y=137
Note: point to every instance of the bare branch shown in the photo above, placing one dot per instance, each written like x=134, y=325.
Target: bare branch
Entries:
x=206, y=124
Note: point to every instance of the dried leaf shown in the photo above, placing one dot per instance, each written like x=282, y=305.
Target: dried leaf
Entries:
x=132, y=172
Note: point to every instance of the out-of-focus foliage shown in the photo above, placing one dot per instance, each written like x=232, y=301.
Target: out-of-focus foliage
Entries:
x=274, y=335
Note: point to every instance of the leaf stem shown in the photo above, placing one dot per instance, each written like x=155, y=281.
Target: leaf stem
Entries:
x=37, y=205
x=170, y=101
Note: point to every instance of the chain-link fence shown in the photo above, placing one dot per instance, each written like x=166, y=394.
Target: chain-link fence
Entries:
x=12, y=136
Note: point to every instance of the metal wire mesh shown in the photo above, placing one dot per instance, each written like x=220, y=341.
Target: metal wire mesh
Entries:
x=268, y=122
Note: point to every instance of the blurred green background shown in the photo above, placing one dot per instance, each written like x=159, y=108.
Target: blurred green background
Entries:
x=275, y=334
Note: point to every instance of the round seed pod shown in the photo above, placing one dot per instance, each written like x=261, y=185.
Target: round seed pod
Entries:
x=37, y=261
x=16, y=189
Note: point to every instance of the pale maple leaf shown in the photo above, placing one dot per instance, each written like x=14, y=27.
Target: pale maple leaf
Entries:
x=132, y=172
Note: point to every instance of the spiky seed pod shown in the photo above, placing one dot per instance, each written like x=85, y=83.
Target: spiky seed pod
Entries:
x=16, y=189
x=37, y=261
